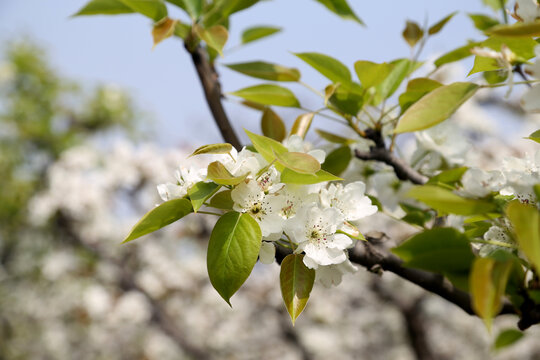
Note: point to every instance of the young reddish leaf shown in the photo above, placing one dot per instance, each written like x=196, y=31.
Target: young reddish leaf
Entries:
x=163, y=29
x=221, y=148
x=302, y=124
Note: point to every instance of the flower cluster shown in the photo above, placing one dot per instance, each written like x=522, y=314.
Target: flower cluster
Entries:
x=316, y=219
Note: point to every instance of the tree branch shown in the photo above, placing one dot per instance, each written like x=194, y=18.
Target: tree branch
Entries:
x=212, y=91
x=379, y=152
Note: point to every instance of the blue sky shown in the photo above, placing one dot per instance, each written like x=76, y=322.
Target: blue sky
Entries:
x=117, y=49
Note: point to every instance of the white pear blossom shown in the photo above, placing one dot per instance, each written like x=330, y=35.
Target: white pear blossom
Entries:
x=243, y=162
x=527, y=10
x=332, y=274
x=349, y=200
x=264, y=208
x=479, y=183
x=294, y=196
x=521, y=174
x=496, y=235
x=185, y=177
x=268, y=181
x=297, y=144
x=445, y=139
x=314, y=230
x=267, y=253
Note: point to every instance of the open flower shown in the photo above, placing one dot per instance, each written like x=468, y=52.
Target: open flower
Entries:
x=297, y=144
x=526, y=10
x=332, y=274
x=185, y=179
x=314, y=230
x=349, y=200
x=479, y=183
x=264, y=208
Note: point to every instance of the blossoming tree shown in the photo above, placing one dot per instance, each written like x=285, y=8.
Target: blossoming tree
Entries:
x=477, y=232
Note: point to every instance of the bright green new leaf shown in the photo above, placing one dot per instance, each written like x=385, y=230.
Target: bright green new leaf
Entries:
x=416, y=89
x=348, y=100
x=268, y=94
x=302, y=124
x=193, y=7
x=412, y=33
x=272, y=126
x=179, y=3
x=289, y=176
x=519, y=29
x=446, y=202
x=535, y=136
x=487, y=283
x=258, y=32
x=434, y=29
x=232, y=252
x=536, y=189
x=222, y=200
x=218, y=173
x=526, y=222
x=154, y=9
x=182, y=30
x=338, y=160
x=342, y=9
x=390, y=83
x=456, y=54
x=448, y=177
x=296, y=281
x=160, y=216
x=299, y=162
x=266, y=147
x=200, y=192
x=329, y=67
x=221, y=148
x=215, y=37
x=441, y=250
x=483, y=22
x=435, y=107
x=104, y=7
x=266, y=71
x=333, y=138
x=219, y=11
x=506, y=338
x=370, y=73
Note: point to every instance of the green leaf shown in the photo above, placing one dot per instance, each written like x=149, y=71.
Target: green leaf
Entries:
x=200, y=192
x=160, y=216
x=219, y=11
x=535, y=136
x=215, y=37
x=329, y=67
x=416, y=89
x=488, y=281
x=333, y=138
x=342, y=9
x=390, y=84
x=268, y=94
x=441, y=250
x=267, y=71
x=272, y=126
x=193, y=7
x=219, y=174
x=104, y=7
x=266, y=147
x=536, y=189
x=415, y=215
x=435, y=107
x=296, y=281
x=182, y=30
x=483, y=22
x=506, y=338
x=446, y=202
x=456, y=54
x=222, y=200
x=289, y=176
x=154, y=9
x=496, y=5
x=370, y=73
x=221, y=148
x=232, y=252
x=434, y=29
x=526, y=222
x=299, y=162
x=302, y=124
x=338, y=160
x=519, y=29
x=348, y=100
x=258, y=32
x=448, y=177
x=412, y=33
